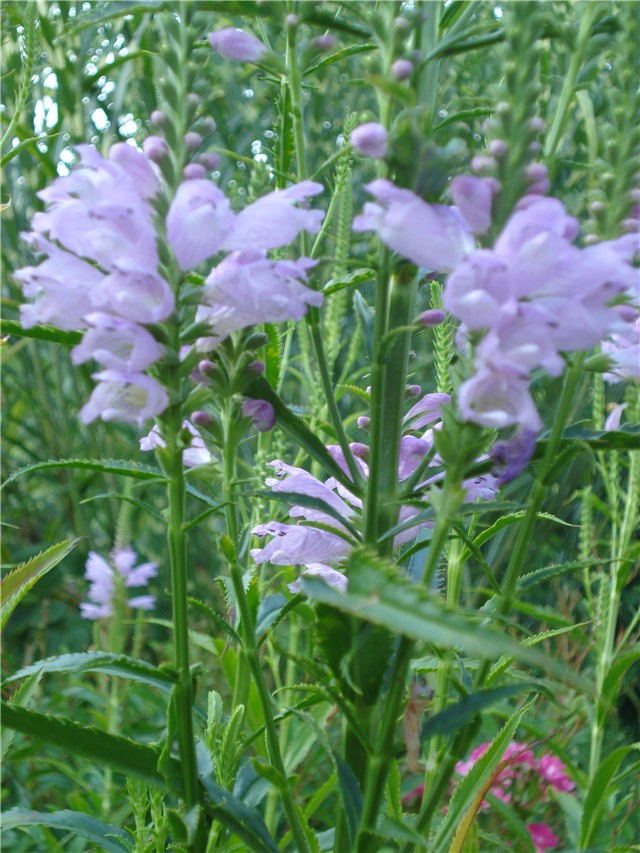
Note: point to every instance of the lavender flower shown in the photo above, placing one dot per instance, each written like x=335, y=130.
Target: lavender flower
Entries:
x=513, y=456
x=236, y=44
x=117, y=344
x=102, y=576
x=247, y=288
x=433, y=236
x=129, y=397
x=623, y=348
x=195, y=454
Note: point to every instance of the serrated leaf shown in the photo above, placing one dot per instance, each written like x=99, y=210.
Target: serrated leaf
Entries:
x=245, y=822
x=121, y=753
x=134, y=470
x=598, y=793
x=109, y=664
x=40, y=333
x=344, y=53
x=377, y=592
x=126, y=499
x=351, y=280
x=471, y=790
x=81, y=824
x=273, y=356
x=456, y=716
x=548, y=572
x=17, y=583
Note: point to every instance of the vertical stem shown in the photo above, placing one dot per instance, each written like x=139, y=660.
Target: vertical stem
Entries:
x=183, y=690
x=428, y=80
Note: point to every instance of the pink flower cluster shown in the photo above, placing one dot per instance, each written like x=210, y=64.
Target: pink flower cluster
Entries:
x=524, y=302
x=103, y=574
x=520, y=771
x=101, y=274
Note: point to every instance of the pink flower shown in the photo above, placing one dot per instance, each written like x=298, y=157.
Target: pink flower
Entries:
x=542, y=836
x=553, y=771
x=236, y=44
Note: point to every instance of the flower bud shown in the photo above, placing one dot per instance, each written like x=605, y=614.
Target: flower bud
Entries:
x=193, y=100
x=208, y=124
x=155, y=148
x=257, y=367
x=498, y=147
x=400, y=24
x=597, y=207
x=413, y=390
x=536, y=124
x=481, y=164
x=292, y=20
x=261, y=413
x=364, y=422
x=192, y=139
x=194, y=172
x=370, y=139
x=401, y=69
x=207, y=366
x=256, y=340
x=539, y=187
x=432, y=317
x=236, y=44
x=536, y=172
x=360, y=451
x=201, y=418
x=325, y=42
x=534, y=148
x=158, y=118
x=209, y=160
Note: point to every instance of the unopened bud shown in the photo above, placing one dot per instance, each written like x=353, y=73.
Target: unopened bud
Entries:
x=627, y=313
x=325, y=42
x=194, y=172
x=539, y=187
x=209, y=160
x=261, y=413
x=502, y=108
x=400, y=24
x=432, y=317
x=536, y=124
x=193, y=100
x=481, y=164
x=155, y=148
x=257, y=367
x=413, y=390
x=534, y=148
x=498, y=147
x=208, y=124
x=360, y=451
x=371, y=140
x=292, y=20
x=256, y=340
x=536, y=172
x=401, y=69
x=201, y=419
x=192, y=139
x=364, y=422
x=207, y=366
x=596, y=207
x=158, y=118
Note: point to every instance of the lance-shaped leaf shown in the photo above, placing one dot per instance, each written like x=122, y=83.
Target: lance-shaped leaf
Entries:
x=106, y=466
x=378, y=592
x=17, y=583
x=109, y=838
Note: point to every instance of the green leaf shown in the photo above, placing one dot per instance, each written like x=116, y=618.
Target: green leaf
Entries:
x=130, y=500
x=611, y=684
x=245, y=822
x=273, y=356
x=123, y=754
x=105, y=466
x=301, y=499
x=40, y=333
x=83, y=825
x=110, y=664
x=467, y=790
x=17, y=583
x=350, y=280
x=351, y=796
x=352, y=50
x=377, y=592
x=548, y=572
x=626, y=437
x=455, y=717
x=598, y=793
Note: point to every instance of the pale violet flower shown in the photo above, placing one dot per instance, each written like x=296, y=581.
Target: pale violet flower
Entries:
x=236, y=44
x=261, y=413
x=473, y=198
x=117, y=344
x=497, y=400
x=431, y=235
x=195, y=454
x=198, y=221
x=248, y=288
x=129, y=397
x=102, y=576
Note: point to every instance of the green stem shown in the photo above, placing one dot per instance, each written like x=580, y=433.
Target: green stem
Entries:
x=250, y=652
x=183, y=691
x=561, y=117
x=428, y=80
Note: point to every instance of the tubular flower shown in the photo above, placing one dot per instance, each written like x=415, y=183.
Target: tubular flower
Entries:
x=103, y=575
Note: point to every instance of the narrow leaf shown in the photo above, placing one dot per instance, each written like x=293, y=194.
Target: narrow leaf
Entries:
x=245, y=822
x=17, y=583
x=87, y=827
x=105, y=466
